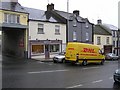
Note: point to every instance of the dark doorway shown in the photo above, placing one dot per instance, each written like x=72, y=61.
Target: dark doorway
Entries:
x=13, y=42
x=47, y=53
x=107, y=49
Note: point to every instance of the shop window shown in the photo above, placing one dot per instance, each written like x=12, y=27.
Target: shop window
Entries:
x=55, y=48
x=36, y=49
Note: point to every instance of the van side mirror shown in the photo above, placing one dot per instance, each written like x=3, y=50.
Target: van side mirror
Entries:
x=100, y=52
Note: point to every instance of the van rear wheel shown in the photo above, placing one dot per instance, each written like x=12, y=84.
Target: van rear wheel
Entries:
x=84, y=63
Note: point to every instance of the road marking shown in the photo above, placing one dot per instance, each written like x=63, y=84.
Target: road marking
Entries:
x=48, y=71
x=97, y=81
x=75, y=86
x=90, y=68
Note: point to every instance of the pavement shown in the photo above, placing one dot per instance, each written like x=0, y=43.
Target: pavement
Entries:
x=42, y=58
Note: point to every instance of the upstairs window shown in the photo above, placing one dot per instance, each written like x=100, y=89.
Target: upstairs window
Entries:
x=87, y=36
x=74, y=23
x=11, y=18
x=74, y=36
x=98, y=41
x=87, y=25
x=113, y=43
x=108, y=40
x=113, y=32
x=40, y=29
x=6, y=18
x=57, y=29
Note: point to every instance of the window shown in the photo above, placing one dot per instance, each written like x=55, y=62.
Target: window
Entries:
x=87, y=36
x=18, y=19
x=57, y=29
x=74, y=23
x=98, y=41
x=40, y=29
x=86, y=25
x=113, y=43
x=74, y=20
x=55, y=48
x=113, y=32
x=36, y=49
x=5, y=18
x=11, y=18
x=108, y=40
x=74, y=36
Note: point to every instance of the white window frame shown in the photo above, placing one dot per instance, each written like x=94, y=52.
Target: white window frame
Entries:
x=74, y=36
x=87, y=25
x=98, y=40
x=11, y=18
x=57, y=29
x=40, y=28
x=87, y=36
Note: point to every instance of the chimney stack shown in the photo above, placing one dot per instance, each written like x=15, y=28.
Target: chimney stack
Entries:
x=99, y=21
x=50, y=7
x=76, y=12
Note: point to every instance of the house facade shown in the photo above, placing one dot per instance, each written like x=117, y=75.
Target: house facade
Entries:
x=78, y=29
x=47, y=35
x=102, y=38
x=14, y=27
x=114, y=31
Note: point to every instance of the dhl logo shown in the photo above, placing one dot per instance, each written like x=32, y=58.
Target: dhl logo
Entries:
x=89, y=50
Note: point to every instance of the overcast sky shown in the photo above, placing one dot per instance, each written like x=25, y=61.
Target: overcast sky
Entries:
x=107, y=10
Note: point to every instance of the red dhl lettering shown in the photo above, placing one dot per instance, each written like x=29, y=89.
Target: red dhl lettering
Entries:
x=89, y=50
x=70, y=48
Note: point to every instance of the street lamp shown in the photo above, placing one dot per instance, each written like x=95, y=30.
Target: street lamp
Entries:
x=67, y=21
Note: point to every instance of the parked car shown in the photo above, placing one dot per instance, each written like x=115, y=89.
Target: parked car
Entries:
x=60, y=58
x=111, y=56
x=116, y=76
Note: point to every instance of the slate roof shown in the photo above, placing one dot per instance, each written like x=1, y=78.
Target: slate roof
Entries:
x=12, y=7
x=69, y=16
x=111, y=27
x=37, y=14
x=101, y=30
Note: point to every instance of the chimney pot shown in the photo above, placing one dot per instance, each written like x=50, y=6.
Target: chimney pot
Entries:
x=99, y=21
x=50, y=7
x=76, y=12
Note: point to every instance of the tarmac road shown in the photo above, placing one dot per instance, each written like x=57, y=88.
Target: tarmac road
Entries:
x=37, y=74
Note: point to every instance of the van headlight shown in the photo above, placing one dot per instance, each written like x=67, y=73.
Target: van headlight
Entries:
x=116, y=71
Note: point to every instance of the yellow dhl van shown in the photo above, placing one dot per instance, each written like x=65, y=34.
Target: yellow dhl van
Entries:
x=83, y=53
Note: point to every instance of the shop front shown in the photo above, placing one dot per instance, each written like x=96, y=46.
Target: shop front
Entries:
x=45, y=48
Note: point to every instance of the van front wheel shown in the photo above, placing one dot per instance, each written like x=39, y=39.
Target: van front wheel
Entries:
x=84, y=63
x=102, y=62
